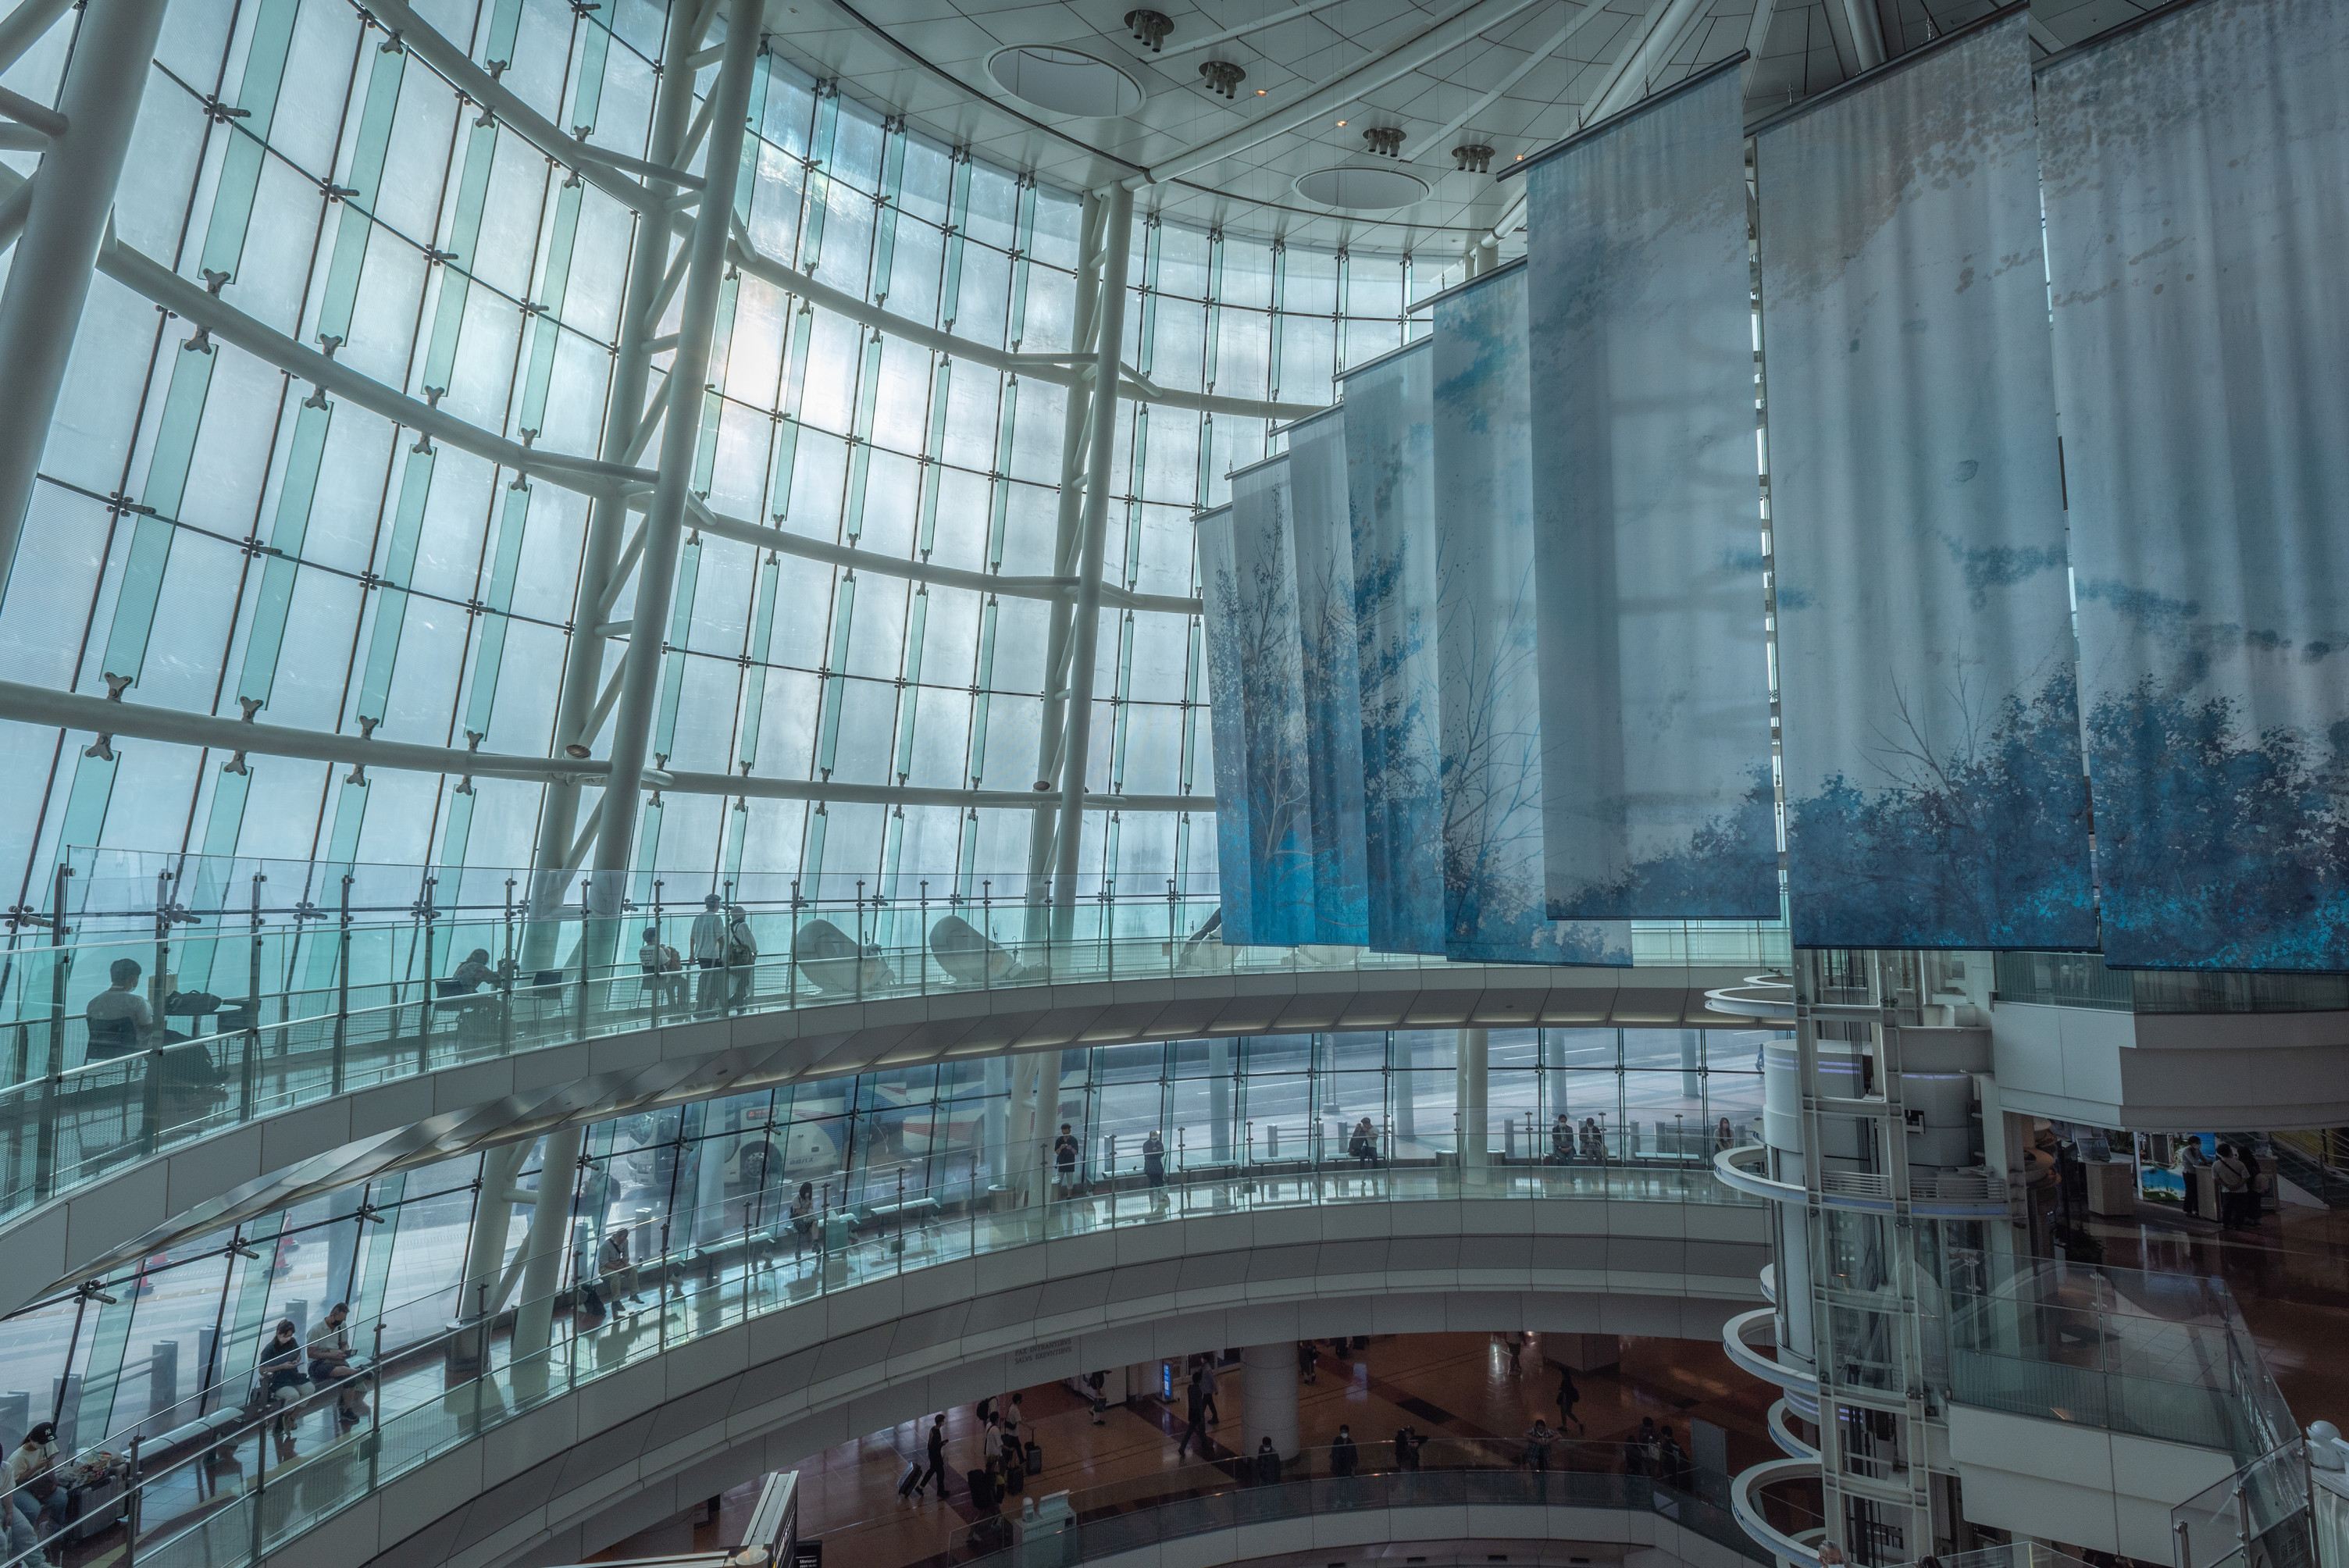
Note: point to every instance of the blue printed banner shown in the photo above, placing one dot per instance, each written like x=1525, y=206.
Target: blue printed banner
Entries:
x=1934, y=784
x=1655, y=709
x=1272, y=709
x=1219, y=617
x=2197, y=223
x=1391, y=502
x=1487, y=656
x=1333, y=693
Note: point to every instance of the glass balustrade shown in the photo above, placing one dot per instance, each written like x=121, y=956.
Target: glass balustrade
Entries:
x=243, y=1470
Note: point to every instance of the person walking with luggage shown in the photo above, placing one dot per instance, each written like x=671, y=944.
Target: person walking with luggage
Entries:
x=937, y=1456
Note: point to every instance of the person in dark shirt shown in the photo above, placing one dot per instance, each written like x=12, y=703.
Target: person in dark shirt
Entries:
x=1344, y=1458
x=1267, y=1464
x=937, y=1449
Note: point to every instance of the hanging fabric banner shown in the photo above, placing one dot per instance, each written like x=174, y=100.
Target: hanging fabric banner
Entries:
x=1272, y=707
x=1655, y=705
x=1487, y=654
x=1219, y=617
x=1390, y=436
x=1936, y=795
x=2196, y=219
x=1333, y=693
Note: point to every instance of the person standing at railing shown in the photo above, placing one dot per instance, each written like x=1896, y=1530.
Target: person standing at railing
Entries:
x=663, y=969
x=1153, y=1170
x=1267, y=1464
x=1723, y=1137
x=708, y=943
x=741, y=956
x=1344, y=1457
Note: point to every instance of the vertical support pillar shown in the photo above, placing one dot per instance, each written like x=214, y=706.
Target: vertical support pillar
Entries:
x=548, y=1239
x=1109, y=316
x=680, y=432
x=65, y=220
x=1269, y=1401
x=607, y=517
x=485, y=1248
x=1076, y=425
x=1469, y=1078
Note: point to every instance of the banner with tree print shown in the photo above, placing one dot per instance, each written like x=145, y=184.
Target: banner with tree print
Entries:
x=2198, y=219
x=1390, y=436
x=1219, y=617
x=1655, y=709
x=1487, y=659
x=1333, y=693
x=1936, y=795
x=1272, y=707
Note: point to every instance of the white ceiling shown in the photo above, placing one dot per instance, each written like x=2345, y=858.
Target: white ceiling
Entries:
x=926, y=59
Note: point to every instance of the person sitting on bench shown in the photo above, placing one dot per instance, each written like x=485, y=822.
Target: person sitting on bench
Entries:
x=282, y=1383
x=330, y=1364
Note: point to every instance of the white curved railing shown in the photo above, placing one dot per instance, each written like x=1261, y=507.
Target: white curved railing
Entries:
x=1746, y=1505
x=1737, y=1336
x=1950, y=1195
x=1780, y=1419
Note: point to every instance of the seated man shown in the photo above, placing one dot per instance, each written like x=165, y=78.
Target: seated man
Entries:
x=120, y=1023
x=330, y=1364
x=281, y=1373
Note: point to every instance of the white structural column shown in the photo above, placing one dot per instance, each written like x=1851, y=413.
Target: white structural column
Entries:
x=1109, y=318
x=1076, y=429
x=64, y=222
x=543, y=1248
x=578, y=713
x=1469, y=1078
x=704, y=264
x=1269, y=1400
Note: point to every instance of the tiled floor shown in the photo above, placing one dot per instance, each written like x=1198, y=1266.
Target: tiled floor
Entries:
x=2289, y=1276
x=1447, y=1386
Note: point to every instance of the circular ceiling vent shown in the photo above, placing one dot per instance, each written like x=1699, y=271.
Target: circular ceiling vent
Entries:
x=1358, y=189
x=1064, y=81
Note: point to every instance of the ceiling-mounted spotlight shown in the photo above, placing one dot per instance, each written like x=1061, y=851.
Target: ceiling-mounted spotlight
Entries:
x=1386, y=140
x=1472, y=158
x=1222, y=77
x=1152, y=27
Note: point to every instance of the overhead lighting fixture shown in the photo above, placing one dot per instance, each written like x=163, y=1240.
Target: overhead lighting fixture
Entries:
x=1152, y=27
x=1385, y=141
x=1472, y=158
x=1259, y=92
x=1222, y=77
x=1342, y=125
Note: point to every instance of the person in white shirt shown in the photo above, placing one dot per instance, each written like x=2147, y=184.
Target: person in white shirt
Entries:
x=120, y=1019
x=34, y=1487
x=709, y=955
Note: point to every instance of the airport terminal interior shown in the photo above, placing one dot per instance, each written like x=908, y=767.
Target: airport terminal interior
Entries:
x=1311, y=783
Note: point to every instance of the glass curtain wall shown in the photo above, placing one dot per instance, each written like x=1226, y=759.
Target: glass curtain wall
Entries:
x=156, y=1339
x=217, y=536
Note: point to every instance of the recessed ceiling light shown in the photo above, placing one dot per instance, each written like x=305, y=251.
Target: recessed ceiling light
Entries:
x=1259, y=92
x=1065, y=81
x=1341, y=124
x=1521, y=158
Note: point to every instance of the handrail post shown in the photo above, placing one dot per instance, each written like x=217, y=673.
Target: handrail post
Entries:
x=375, y=1408
x=61, y=970
x=342, y=986
x=133, y=1495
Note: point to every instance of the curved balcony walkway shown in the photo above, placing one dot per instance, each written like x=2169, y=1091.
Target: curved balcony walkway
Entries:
x=106, y=1162
x=753, y=1359
x=1461, y=1493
